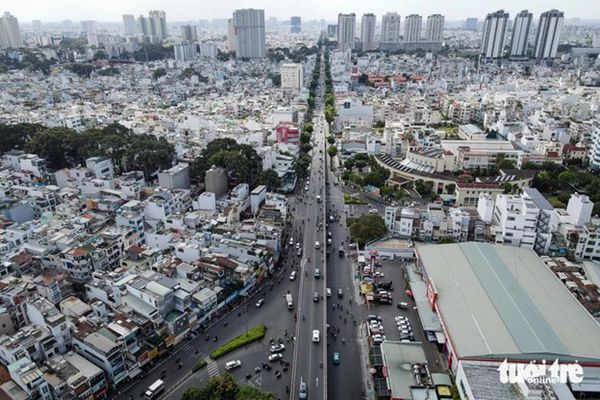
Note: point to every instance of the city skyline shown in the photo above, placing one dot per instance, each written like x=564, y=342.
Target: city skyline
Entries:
x=185, y=10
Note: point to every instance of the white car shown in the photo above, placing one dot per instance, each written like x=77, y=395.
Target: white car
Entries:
x=291, y=241
x=275, y=356
x=276, y=348
x=317, y=245
x=293, y=276
x=401, y=318
x=316, y=336
x=229, y=365
x=378, y=338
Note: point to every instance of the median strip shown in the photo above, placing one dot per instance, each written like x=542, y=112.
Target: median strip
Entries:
x=254, y=334
x=201, y=364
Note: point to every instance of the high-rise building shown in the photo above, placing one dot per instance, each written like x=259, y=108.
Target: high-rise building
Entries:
x=158, y=24
x=129, y=24
x=292, y=77
x=231, y=39
x=390, y=28
x=10, y=35
x=346, y=31
x=189, y=33
x=36, y=25
x=295, y=25
x=90, y=28
x=332, y=30
x=520, y=33
x=412, y=28
x=434, y=31
x=471, y=24
x=548, y=35
x=143, y=26
x=249, y=27
x=367, y=31
x=494, y=29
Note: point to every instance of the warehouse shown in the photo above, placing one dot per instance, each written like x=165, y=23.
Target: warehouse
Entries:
x=496, y=302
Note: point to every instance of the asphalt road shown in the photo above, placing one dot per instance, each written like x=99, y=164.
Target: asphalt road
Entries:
x=309, y=356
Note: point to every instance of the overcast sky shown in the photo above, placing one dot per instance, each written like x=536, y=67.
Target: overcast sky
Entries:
x=189, y=10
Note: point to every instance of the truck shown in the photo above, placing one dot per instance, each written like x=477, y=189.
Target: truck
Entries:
x=289, y=301
x=155, y=389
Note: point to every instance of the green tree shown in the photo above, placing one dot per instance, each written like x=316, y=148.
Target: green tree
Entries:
x=16, y=136
x=330, y=139
x=308, y=127
x=425, y=188
x=366, y=228
x=566, y=179
x=305, y=138
x=332, y=151
x=158, y=73
x=508, y=187
x=445, y=240
x=450, y=188
x=349, y=164
x=505, y=164
x=311, y=102
x=363, y=79
x=251, y=393
x=270, y=179
x=193, y=393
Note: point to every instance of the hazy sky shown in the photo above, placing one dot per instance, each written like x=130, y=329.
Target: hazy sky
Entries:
x=189, y=10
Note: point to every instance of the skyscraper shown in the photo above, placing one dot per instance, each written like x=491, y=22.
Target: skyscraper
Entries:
x=231, y=39
x=295, y=25
x=36, y=25
x=390, y=28
x=91, y=30
x=518, y=42
x=346, y=31
x=412, y=28
x=143, y=26
x=129, y=24
x=189, y=33
x=158, y=24
x=249, y=27
x=332, y=30
x=548, y=35
x=494, y=29
x=292, y=77
x=434, y=31
x=367, y=31
x=471, y=24
x=10, y=35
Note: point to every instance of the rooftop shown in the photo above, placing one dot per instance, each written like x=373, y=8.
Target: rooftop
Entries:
x=498, y=301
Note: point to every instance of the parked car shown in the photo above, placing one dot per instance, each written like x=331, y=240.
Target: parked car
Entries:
x=260, y=302
x=340, y=293
x=328, y=292
x=275, y=357
x=372, y=317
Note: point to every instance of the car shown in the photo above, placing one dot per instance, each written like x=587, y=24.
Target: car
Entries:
x=303, y=391
x=329, y=242
x=276, y=348
x=293, y=276
x=275, y=357
x=373, y=317
x=299, y=252
x=259, y=303
x=329, y=234
x=378, y=274
x=373, y=211
x=316, y=336
x=328, y=292
x=291, y=241
x=229, y=365
x=335, y=358
x=297, y=245
x=404, y=327
x=317, y=273
x=316, y=297
x=317, y=245
x=405, y=332
x=378, y=338
x=403, y=305
x=401, y=318
x=340, y=293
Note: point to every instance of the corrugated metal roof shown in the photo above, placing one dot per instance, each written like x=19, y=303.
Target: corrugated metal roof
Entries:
x=502, y=300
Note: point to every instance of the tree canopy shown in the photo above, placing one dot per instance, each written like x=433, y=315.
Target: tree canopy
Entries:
x=225, y=387
x=270, y=179
x=241, y=161
x=366, y=228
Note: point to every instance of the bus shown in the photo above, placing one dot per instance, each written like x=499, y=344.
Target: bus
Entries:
x=289, y=301
x=155, y=389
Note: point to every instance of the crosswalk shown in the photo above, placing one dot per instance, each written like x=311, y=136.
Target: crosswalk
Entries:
x=212, y=368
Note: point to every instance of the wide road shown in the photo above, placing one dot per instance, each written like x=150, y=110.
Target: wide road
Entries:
x=310, y=356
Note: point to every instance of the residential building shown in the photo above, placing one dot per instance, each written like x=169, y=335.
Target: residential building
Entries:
x=594, y=149
x=434, y=30
x=412, y=28
x=390, y=28
x=471, y=24
x=526, y=220
x=231, y=36
x=494, y=30
x=257, y=197
x=520, y=34
x=367, y=32
x=185, y=52
x=43, y=313
x=72, y=376
x=580, y=209
x=249, y=27
x=208, y=49
x=548, y=34
x=27, y=375
x=215, y=180
x=10, y=34
x=158, y=24
x=332, y=30
x=346, y=31
x=295, y=25
x=176, y=177
x=292, y=77
x=129, y=24
x=189, y=33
